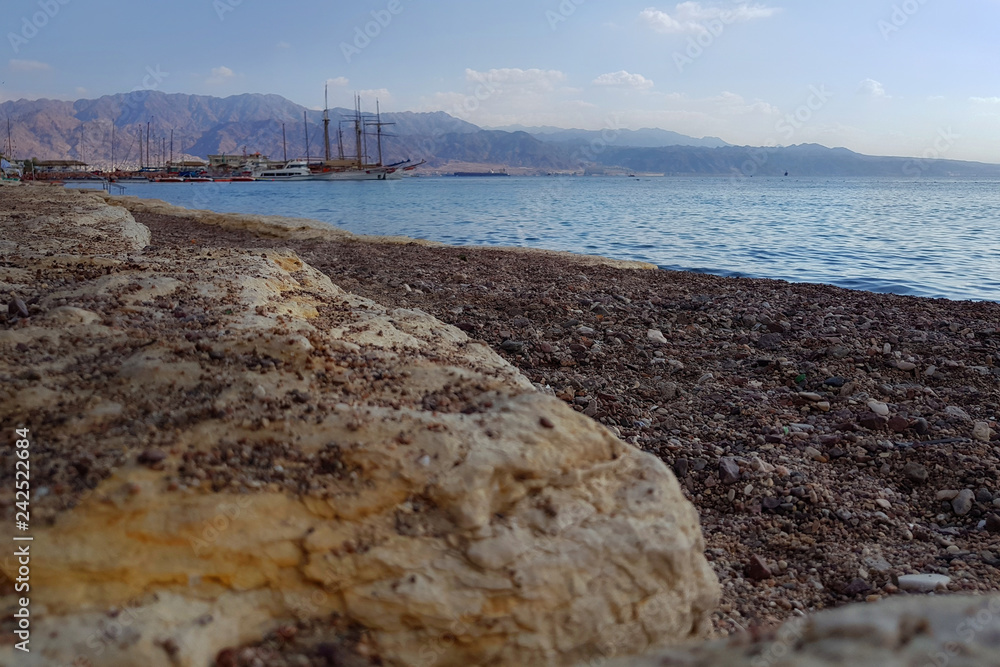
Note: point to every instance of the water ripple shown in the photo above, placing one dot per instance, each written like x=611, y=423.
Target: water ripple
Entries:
x=925, y=238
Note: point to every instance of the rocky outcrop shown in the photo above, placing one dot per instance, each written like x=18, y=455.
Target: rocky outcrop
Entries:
x=958, y=631
x=225, y=443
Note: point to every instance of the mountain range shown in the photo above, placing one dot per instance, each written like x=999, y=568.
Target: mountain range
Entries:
x=199, y=125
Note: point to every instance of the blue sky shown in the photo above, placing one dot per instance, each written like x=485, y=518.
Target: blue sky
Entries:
x=892, y=77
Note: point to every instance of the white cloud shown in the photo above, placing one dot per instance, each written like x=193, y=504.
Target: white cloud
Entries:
x=693, y=17
x=985, y=100
x=370, y=96
x=872, y=88
x=339, y=81
x=81, y=91
x=16, y=65
x=220, y=75
x=516, y=79
x=623, y=79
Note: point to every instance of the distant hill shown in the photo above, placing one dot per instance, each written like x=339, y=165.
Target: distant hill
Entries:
x=204, y=125
x=201, y=125
x=645, y=138
x=800, y=160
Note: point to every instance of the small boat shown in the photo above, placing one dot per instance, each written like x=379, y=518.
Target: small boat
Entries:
x=198, y=179
x=296, y=170
x=169, y=179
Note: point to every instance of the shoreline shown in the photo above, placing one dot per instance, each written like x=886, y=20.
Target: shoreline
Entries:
x=924, y=282
x=795, y=415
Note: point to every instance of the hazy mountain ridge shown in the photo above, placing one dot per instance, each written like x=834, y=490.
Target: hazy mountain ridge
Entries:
x=201, y=125
x=251, y=122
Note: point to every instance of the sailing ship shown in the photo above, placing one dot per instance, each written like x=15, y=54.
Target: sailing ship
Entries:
x=359, y=167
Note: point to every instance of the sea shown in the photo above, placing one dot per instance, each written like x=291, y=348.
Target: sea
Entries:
x=921, y=237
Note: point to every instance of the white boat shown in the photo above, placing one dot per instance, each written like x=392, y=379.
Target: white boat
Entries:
x=296, y=170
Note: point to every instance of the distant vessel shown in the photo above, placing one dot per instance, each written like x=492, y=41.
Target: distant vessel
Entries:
x=502, y=172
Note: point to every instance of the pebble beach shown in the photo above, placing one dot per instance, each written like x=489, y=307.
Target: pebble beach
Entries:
x=839, y=445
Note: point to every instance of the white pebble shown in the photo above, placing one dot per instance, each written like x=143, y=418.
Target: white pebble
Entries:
x=923, y=583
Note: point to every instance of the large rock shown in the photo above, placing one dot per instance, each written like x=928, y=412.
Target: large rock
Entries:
x=225, y=442
x=958, y=631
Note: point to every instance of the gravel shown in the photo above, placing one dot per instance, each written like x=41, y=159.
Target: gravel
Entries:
x=719, y=377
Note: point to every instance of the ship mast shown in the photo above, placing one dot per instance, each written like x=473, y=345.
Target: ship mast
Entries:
x=378, y=130
x=305, y=125
x=326, y=121
x=357, y=126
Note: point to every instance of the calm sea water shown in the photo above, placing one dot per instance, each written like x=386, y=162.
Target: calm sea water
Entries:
x=919, y=237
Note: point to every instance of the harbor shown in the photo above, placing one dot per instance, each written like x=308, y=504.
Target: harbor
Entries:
x=362, y=161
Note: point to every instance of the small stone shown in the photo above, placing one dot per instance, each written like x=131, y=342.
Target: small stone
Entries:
x=656, y=336
x=992, y=523
x=982, y=432
x=879, y=408
x=771, y=341
x=883, y=503
x=836, y=382
x=152, y=456
x=984, y=496
x=259, y=392
x=546, y=422
x=906, y=366
x=17, y=307
x=957, y=413
x=729, y=470
x=814, y=454
x=512, y=346
x=681, y=467
x=923, y=583
x=915, y=472
x=873, y=422
x=946, y=494
x=898, y=424
x=811, y=396
x=962, y=503
x=586, y=331
x=878, y=564
x=856, y=587
x=823, y=406
x=771, y=503
x=920, y=426
x=757, y=569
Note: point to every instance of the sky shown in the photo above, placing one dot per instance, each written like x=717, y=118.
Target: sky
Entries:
x=917, y=78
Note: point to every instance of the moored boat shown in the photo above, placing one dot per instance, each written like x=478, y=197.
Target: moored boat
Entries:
x=296, y=170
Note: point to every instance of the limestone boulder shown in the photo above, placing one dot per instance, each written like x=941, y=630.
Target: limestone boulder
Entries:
x=224, y=444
